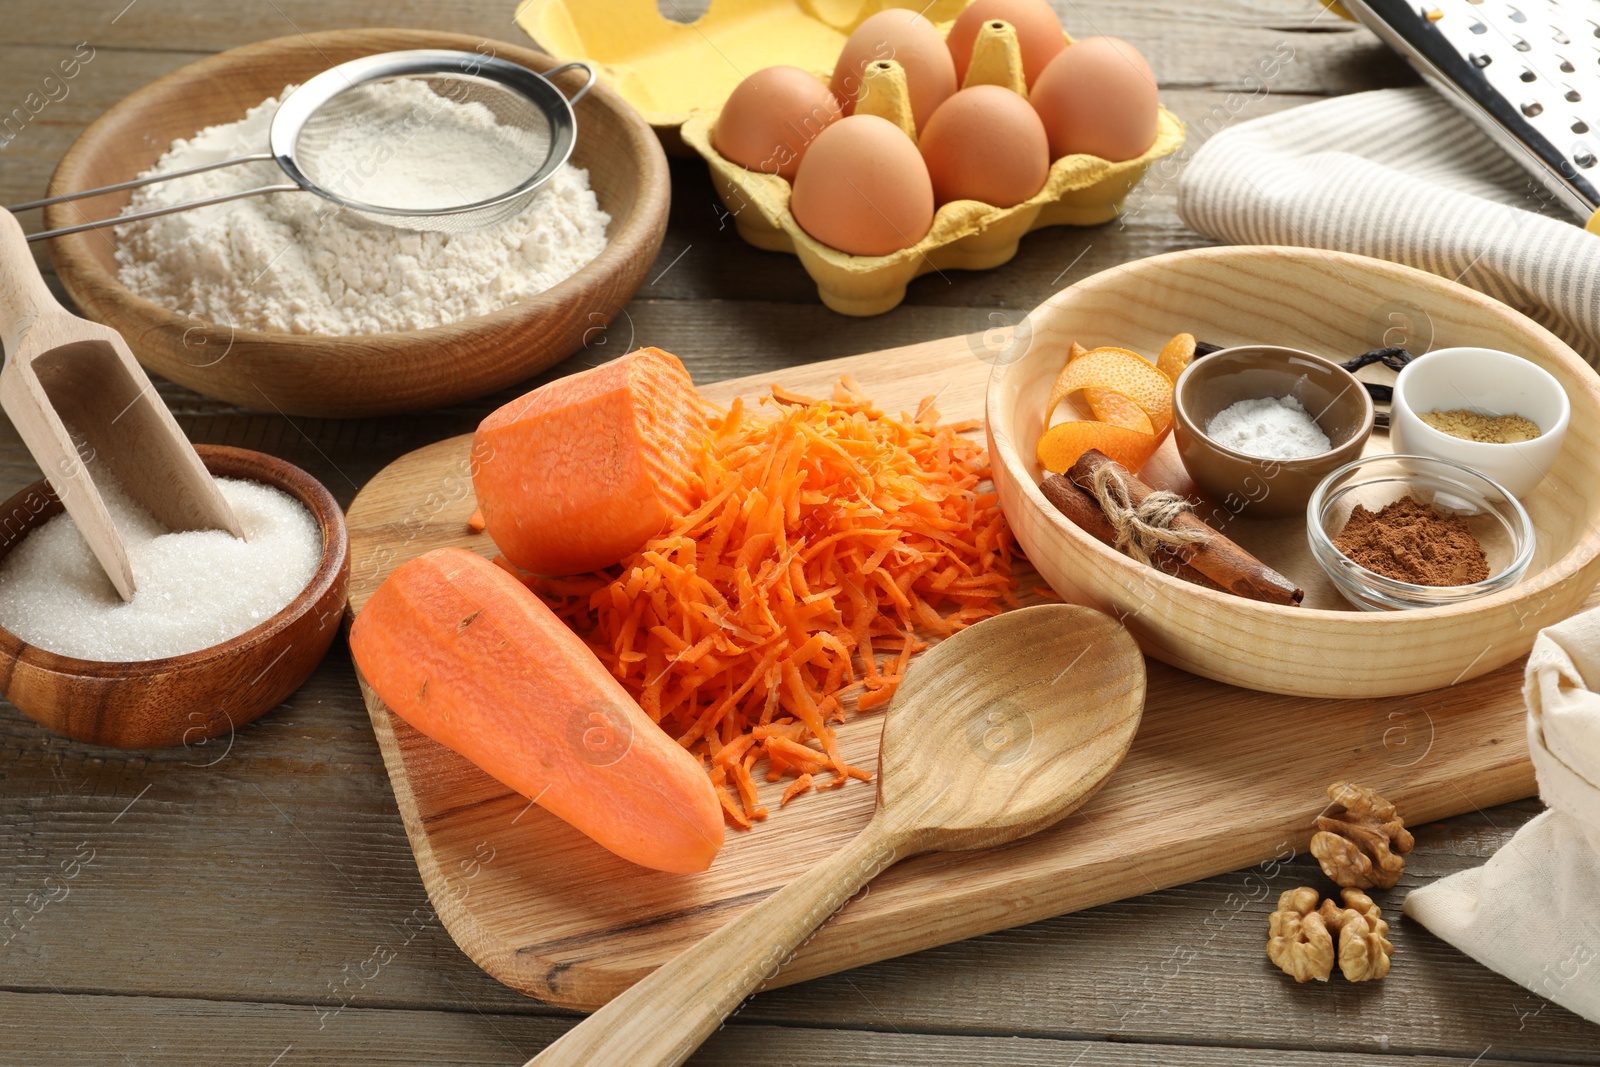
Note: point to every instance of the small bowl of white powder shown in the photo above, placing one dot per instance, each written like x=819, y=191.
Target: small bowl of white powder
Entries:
x=219, y=631
x=1258, y=426
x=284, y=303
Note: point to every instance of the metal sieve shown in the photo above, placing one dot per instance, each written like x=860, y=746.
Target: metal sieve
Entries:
x=517, y=114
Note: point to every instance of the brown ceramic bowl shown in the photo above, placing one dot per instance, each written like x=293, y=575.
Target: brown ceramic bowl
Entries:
x=183, y=700
x=1251, y=486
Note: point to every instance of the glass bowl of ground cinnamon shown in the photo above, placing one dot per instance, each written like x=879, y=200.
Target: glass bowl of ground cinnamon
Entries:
x=1493, y=411
x=1396, y=532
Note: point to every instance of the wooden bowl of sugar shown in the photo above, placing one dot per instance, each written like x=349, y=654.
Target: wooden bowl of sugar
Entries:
x=317, y=370
x=182, y=699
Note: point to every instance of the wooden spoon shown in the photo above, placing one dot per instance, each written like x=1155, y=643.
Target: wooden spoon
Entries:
x=997, y=732
x=66, y=377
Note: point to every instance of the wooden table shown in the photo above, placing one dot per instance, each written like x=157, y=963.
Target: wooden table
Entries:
x=254, y=901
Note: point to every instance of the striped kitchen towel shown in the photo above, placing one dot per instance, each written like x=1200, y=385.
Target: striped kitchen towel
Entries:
x=1400, y=175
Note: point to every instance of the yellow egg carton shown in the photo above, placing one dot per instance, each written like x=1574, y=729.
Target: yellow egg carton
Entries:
x=668, y=69
x=966, y=235
x=663, y=70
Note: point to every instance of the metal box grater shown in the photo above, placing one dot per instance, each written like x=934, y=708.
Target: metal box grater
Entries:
x=1526, y=71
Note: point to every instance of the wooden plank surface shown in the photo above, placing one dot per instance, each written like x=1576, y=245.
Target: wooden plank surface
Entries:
x=256, y=1033
x=241, y=896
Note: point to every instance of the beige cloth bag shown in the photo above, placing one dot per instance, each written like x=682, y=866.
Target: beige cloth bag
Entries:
x=1532, y=912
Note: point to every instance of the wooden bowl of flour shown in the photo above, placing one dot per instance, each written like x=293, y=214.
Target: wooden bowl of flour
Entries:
x=188, y=699
x=369, y=374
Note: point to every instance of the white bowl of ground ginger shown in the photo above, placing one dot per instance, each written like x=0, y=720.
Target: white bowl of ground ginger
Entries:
x=1489, y=410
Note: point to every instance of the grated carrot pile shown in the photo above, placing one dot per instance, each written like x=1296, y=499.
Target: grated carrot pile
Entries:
x=832, y=542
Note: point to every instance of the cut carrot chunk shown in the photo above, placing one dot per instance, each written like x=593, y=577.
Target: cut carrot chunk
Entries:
x=459, y=649
x=579, y=473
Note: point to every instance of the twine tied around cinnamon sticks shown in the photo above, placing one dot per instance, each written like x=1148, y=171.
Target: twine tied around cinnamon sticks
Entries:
x=1144, y=528
x=1113, y=505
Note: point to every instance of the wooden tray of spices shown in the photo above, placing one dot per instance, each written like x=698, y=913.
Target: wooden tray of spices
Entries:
x=1218, y=778
x=1331, y=304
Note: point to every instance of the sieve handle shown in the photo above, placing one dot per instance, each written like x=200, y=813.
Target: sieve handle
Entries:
x=118, y=220
x=587, y=85
x=136, y=183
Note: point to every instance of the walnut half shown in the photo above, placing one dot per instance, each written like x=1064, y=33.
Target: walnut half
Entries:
x=1364, y=951
x=1361, y=840
x=1299, y=942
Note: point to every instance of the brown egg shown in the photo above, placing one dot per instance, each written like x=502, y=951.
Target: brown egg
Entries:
x=1038, y=29
x=985, y=143
x=1098, y=97
x=908, y=38
x=772, y=117
x=863, y=189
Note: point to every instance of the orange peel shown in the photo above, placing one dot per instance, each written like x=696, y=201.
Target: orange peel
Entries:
x=1117, y=370
x=1176, y=355
x=1064, y=442
x=1109, y=406
x=1130, y=398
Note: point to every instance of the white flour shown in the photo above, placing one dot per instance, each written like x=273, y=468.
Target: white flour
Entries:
x=399, y=144
x=291, y=262
x=1269, y=427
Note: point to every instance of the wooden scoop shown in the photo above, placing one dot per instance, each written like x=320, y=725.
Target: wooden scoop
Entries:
x=998, y=732
x=67, y=378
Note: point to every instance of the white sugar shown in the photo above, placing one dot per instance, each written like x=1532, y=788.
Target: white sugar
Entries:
x=1270, y=427
x=195, y=588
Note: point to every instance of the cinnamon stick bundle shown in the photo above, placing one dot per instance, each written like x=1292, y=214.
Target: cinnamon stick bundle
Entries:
x=1085, y=513
x=1220, y=561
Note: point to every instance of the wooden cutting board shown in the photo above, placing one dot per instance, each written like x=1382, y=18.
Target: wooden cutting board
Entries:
x=1218, y=779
